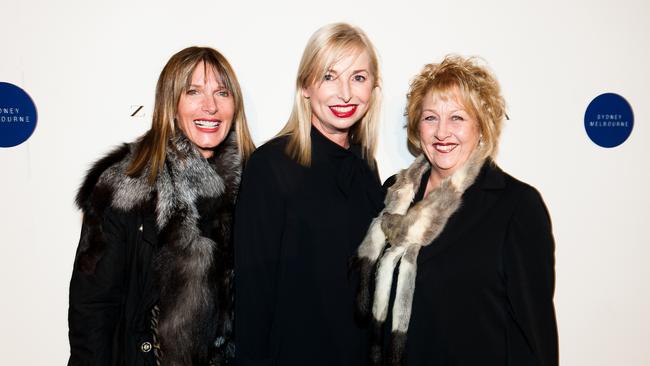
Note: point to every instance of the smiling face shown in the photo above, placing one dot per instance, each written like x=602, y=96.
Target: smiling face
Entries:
x=448, y=133
x=205, y=110
x=342, y=97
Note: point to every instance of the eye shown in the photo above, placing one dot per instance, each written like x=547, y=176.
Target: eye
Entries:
x=223, y=93
x=192, y=92
x=328, y=77
x=430, y=118
x=457, y=118
x=360, y=78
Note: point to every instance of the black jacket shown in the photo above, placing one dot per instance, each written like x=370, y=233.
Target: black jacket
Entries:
x=295, y=230
x=484, y=288
x=167, y=245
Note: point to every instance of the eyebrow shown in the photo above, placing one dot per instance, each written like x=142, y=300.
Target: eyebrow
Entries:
x=454, y=111
x=332, y=71
x=219, y=86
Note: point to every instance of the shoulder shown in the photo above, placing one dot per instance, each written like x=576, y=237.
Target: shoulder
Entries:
x=271, y=156
x=114, y=160
x=102, y=224
x=492, y=177
x=524, y=193
x=272, y=149
x=528, y=203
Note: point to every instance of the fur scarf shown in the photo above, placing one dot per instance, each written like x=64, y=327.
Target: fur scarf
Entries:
x=394, y=238
x=193, y=200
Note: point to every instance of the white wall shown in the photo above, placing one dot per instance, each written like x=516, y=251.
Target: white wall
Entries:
x=86, y=62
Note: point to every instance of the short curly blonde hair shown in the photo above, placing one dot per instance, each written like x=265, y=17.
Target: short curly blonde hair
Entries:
x=469, y=83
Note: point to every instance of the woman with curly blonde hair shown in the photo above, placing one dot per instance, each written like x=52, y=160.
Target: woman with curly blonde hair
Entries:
x=472, y=246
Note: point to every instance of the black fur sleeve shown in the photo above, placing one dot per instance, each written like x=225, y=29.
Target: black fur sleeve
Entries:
x=93, y=198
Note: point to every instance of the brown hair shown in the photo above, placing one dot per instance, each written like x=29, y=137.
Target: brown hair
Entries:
x=173, y=81
x=472, y=84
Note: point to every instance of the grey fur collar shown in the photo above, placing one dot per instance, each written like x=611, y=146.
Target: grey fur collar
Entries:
x=192, y=199
x=185, y=177
x=406, y=229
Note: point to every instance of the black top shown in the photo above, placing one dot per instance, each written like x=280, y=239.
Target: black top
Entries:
x=484, y=287
x=295, y=230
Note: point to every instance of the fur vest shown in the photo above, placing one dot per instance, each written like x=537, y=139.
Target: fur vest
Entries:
x=192, y=201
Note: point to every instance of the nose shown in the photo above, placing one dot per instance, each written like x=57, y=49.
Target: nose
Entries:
x=210, y=104
x=344, y=91
x=442, y=132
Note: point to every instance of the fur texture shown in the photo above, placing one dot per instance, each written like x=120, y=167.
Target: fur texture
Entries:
x=406, y=229
x=193, y=200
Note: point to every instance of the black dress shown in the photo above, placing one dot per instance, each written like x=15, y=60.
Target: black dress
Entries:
x=295, y=230
x=484, y=288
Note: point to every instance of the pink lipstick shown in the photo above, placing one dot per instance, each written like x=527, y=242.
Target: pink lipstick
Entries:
x=444, y=148
x=207, y=125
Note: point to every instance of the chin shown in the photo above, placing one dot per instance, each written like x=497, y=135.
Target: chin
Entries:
x=445, y=165
x=345, y=125
x=210, y=142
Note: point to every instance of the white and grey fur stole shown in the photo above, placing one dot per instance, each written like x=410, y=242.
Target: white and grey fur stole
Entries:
x=395, y=237
x=193, y=267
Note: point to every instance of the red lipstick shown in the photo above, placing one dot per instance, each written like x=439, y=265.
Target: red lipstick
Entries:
x=343, y=110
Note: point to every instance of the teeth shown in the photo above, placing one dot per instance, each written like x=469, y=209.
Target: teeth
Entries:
x=445, y=148
x=206, y=124
x=342, y=109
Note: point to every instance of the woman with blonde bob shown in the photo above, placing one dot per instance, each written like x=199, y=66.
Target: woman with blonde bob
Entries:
x=152, y=278
x=306, y=201
x=473, y=246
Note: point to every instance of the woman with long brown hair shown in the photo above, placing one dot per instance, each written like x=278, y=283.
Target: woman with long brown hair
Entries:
x=152, y=278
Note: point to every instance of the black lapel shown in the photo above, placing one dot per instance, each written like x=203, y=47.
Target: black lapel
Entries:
x=478, y=199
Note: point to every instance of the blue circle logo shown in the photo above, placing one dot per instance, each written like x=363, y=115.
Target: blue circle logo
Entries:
x=17, y=115
x=609, y=120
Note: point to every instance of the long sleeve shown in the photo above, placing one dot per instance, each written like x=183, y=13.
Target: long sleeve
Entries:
x=95, y=301
x=529, y=263
x=259, y=221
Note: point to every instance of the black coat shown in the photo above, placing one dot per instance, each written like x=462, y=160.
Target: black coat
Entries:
x=484, y=287
x=295, y=230
x=109, y=315
x=167, y=244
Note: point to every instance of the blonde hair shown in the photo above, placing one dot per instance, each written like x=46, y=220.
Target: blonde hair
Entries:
x=325, y=48
x=174, y=80
x=469, y=82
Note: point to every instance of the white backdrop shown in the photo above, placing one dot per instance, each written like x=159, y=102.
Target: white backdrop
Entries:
x=86, y=63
